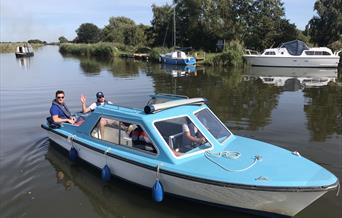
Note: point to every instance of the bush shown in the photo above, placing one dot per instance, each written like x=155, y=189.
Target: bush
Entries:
x=337, y=45
x=157, y=51
x=98, y=50
x=102, y=50
x=231, y=55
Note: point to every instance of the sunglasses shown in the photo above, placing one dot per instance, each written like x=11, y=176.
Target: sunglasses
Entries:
x=101, y=97
x=60, y=97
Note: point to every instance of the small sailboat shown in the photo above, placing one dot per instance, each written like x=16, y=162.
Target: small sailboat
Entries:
x=177, y=57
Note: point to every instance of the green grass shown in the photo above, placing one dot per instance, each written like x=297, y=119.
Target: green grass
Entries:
x=10, y=47
x=98, y=50
x=231, y=56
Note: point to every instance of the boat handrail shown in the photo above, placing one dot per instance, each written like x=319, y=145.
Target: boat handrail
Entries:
x=169, y=95
x=251, y=52
x=120, y=107
x=337, y=52
x=149, y=109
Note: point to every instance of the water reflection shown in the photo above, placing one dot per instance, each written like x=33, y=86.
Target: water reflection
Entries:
x=24, y=62
x=120, y=198
x=323, y=109
x=292, y=79
x=179, y=71
x=241, y=103
x=118, y=67
x=90, y=66
x=322, y=93
x=125, y=68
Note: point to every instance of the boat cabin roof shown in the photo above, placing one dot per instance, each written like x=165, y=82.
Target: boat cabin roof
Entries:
x=159, y=120
x=177, y=54
x=295, y=47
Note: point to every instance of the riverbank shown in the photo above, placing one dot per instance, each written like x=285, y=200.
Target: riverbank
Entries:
x=10, y=47
x=231, y=56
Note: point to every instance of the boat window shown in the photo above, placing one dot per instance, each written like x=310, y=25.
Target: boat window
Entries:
x=213, y=125
x=182, y=135
x=317, y=53
x=122, y=133
x=270, y=53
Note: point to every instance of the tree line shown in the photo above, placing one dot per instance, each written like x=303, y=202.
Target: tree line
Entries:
x=256, y=24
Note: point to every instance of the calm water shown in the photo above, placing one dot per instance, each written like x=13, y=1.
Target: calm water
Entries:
x=38, y=180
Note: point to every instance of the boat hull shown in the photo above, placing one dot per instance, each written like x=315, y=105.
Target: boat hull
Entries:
x=292, y=61
x=251, y=199
x=20, y=55
x=178, y=61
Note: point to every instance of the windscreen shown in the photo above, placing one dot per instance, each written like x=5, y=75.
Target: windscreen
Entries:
x=213, y=125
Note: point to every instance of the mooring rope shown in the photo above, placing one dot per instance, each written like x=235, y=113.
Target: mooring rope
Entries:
x=230, y=155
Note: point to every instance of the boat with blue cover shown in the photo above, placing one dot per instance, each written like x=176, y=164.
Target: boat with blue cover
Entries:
x=177, y=58
x=150, y=147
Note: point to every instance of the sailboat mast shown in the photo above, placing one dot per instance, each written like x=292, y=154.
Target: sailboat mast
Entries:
x=174, y=26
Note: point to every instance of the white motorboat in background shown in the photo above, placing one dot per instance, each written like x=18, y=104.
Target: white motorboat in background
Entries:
x=25, y=50
x=294, y=54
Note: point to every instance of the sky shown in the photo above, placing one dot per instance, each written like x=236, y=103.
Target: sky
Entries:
x=21, y=20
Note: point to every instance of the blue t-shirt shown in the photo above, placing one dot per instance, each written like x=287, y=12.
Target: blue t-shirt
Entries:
x=55, y=110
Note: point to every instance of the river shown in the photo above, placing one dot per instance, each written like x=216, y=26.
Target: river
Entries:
x=291, y=108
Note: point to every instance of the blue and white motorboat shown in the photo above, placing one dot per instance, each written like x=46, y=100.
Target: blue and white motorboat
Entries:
x=178, y=58
x=148, y=147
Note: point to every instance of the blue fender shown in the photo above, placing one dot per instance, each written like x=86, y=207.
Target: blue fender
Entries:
x=73, y=154
x=158, y=191
x=105, y=173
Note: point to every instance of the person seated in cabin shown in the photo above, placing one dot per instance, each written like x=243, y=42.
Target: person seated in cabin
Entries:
x=100, y=101
x=139, y=136
x=141, y=140
x=59, y=111
x=191, y=138
x=191, y=135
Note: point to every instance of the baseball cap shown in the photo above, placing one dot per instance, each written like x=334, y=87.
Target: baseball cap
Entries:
x=99, y=95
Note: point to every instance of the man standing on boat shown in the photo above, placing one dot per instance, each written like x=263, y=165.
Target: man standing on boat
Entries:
x=59, y=111
x=100, y=101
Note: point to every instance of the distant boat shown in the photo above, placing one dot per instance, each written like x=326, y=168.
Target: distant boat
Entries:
x=294, y=54
x=24, y=51
x=177, y=57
